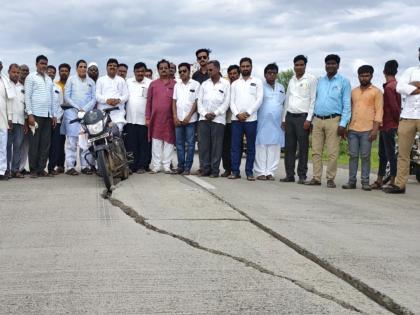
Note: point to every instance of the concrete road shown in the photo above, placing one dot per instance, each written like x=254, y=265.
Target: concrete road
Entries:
x=165, y=244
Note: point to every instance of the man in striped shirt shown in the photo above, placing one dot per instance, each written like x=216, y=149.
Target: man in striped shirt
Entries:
x=40, y=108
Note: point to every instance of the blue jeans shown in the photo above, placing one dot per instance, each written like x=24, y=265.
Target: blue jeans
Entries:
x=185, y=145
x=14, y=147
x=240, y=128
x=359, y=145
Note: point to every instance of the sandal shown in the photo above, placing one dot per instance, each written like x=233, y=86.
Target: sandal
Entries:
x=376, y=185
x=72, y=172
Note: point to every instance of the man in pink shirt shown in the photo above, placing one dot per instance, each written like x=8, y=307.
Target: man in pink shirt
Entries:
x=159, y=119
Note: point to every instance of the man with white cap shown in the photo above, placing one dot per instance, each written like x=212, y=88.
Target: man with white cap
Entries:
x=93, y=71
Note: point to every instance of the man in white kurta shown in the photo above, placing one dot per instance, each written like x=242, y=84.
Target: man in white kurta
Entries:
x=4, y=126
x=246, y=98
x=112, y=91
x=270, y=137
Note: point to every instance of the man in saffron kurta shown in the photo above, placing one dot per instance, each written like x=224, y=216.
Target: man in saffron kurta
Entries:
x=159, y=119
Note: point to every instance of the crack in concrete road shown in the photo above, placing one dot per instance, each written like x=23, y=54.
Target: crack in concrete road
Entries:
x=375, y=295
x=129, y=211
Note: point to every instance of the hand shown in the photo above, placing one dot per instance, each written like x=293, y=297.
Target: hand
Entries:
x=307, y=125
x=25, y=128
x=373, y=135
x=31, y=120
x=147, y=122
x=54, y=122
x=210, y=116
x=186, y=120
x=242, y=116
x=415, y=83
x=110, y=101
x=283, y=125
x=177, y=122
x=342, y=132
x=10, y=125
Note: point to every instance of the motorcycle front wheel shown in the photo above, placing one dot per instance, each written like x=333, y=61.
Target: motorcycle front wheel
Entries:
x=105, y=169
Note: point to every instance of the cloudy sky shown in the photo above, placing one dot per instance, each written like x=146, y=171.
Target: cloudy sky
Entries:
x=359, y=31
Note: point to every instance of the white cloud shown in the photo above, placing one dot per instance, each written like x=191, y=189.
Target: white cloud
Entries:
x=266, y=31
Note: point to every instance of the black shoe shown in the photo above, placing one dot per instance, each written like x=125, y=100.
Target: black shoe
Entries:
x=301, y=180
x=214, y=175
x=87, y=171
x=394, y=189
x=366, y=187
x=349, y=186
x=287, y=180
x=25, y=172
x=4, y=177
x=225, y=174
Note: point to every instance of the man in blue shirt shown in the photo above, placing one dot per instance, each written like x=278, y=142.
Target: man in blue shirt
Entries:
x=41, y=112
x=331, y=115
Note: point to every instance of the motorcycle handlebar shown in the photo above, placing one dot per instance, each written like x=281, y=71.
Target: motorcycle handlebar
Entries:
x=107, y=110
x=74, y=120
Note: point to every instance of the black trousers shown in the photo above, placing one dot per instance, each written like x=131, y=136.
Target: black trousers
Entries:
x=296, y=136
x=211, y=145
x=137, y=142
x=387, y=152
x=227, y=140
x=57, y=155
x=39, y=144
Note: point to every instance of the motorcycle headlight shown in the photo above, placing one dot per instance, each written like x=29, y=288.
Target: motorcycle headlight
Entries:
x=95, y=128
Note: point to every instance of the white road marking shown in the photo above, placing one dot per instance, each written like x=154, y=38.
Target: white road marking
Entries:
x=200, y=182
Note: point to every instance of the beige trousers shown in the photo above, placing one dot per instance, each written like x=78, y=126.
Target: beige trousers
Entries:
x=324, y=133
x=406, y=132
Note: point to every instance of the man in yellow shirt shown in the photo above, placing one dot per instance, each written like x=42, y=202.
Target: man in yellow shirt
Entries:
x=366, y=117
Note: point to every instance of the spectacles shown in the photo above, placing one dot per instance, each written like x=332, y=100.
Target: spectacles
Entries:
x=202, y=57
x=182, y=71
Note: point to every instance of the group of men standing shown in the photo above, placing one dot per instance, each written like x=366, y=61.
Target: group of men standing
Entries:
x=157, y=115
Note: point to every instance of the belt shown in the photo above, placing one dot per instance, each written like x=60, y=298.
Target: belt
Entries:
x=297, y=114
x=327, y=116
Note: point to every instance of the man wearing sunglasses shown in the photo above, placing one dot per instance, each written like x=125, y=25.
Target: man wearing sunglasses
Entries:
x=202, y=55
x=184, y=109
x=201, y=75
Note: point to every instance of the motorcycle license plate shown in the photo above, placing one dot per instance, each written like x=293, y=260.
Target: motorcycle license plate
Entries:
x=90, y=140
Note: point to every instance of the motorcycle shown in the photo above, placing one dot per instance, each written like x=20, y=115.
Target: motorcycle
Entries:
x=414, y=160
x=105, y=143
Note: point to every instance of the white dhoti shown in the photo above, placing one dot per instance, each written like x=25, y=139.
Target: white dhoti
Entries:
x=161, y=155
x=267, y=158
x=71, y=152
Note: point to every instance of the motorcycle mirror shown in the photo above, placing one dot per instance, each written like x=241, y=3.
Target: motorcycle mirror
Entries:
x=80, y=115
